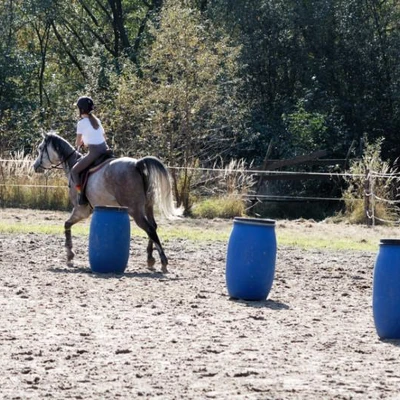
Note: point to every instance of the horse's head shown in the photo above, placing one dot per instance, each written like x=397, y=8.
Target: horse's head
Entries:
x=48, y=157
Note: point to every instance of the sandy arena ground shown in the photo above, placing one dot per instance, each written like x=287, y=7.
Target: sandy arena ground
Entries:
x=66, y=333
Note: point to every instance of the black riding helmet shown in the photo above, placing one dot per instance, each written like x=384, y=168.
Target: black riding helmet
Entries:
x=85, y=105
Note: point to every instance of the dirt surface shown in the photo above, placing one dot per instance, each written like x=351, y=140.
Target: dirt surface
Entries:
x=66, y=333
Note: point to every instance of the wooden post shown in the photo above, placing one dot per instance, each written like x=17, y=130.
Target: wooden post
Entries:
x=372, y=198
x=353, y=143
x=264, y=166
x=367, y=198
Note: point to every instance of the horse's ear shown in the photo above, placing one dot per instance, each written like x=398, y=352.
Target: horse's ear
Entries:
x=46, y=135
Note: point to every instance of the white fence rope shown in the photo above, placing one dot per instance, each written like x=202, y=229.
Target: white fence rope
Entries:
x=385, y=200
x=252, y=171
x=373, y=198
x=19, y=161
x=266, y=173
x=257, y=172
x=35, y=186
x=246, y=196
x=371, y=176
x=302, y=198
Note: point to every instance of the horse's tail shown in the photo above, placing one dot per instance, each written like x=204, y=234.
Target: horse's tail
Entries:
x=157, y=185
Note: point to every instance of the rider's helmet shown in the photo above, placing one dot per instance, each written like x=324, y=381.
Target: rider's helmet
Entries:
x=85, y=105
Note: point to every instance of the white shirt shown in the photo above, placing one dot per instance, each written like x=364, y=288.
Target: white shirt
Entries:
x=89, y=134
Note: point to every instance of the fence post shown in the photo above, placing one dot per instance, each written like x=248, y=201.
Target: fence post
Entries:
x=367, y=198
x=372, y=197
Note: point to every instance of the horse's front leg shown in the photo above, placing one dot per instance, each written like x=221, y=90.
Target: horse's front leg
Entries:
x=68, y=240
x=78, y=213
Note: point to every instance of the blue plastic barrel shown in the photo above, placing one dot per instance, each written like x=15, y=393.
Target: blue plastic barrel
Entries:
x=109, y=239
x=251, y=257
x=386, y=290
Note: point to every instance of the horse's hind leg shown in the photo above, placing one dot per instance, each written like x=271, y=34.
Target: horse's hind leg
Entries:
x=78, y=213
x=150, y=218
x=150, y=259
x=151, y=231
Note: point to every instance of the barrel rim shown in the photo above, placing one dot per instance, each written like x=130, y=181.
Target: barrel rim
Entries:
x=111, y=208
x=256, y=221
x=390, y=242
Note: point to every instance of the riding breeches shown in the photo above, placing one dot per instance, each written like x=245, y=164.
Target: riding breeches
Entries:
x=95, y=151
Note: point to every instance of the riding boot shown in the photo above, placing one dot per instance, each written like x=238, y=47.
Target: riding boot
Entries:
x=82, y=199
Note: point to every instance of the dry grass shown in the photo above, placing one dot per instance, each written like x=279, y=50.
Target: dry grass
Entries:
x=20, y=186
x=220, y=192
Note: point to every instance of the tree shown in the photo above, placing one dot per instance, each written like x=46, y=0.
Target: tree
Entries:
x=307, y=130
x=337, y=56
x=53, y=51
x=17, y=77
x=188, y=110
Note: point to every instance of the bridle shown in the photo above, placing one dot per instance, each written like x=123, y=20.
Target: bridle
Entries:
x=56, y=166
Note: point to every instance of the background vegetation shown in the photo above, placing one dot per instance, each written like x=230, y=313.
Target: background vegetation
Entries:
x=199, y=82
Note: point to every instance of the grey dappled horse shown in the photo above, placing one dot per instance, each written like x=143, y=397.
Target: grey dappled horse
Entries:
x=127, y=182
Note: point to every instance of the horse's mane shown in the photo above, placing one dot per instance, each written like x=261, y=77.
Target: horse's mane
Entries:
x=59, y=144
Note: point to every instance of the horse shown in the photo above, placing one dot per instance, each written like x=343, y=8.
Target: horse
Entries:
x=125, y=182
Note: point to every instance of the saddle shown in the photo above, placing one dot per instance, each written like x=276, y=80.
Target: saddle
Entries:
x=99, y=163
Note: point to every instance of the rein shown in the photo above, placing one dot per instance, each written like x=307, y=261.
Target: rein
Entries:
x=57, y=166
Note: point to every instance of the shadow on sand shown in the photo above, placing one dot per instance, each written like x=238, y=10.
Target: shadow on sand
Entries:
x=86, y=270
x=273, y=305
x=393, y=342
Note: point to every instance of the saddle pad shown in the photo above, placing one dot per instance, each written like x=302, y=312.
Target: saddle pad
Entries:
x=92, y=170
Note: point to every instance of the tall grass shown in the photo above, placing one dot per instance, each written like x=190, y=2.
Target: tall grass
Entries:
x=221, y=192
x=384, y=184
x=215, y=193
x=21, y=187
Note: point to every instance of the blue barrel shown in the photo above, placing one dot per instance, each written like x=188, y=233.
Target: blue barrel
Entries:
x=251, y=257
x=109, y=239
x=386, y=290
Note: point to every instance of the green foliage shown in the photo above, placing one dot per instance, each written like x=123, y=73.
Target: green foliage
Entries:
x=185, y=106
x=193, y=81
x=307, y=129
x=340, y=56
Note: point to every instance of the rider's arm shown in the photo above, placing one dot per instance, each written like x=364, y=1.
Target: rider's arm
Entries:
x=78, y=141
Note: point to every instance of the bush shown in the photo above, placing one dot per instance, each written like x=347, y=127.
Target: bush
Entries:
x=383, y=187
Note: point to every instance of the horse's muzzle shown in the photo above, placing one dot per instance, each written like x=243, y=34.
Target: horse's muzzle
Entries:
x=38, y=168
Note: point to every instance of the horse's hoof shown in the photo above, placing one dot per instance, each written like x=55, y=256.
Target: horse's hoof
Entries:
x=164, y=269
x=150, y=263
x=70, y=255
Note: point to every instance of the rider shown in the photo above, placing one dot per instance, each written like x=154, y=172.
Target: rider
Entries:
x=89, y=133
